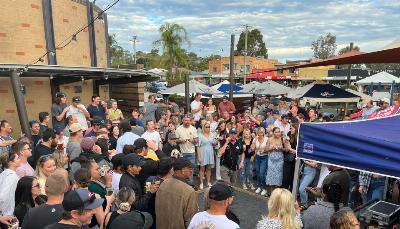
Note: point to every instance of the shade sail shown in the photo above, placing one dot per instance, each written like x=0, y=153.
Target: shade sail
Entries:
x=366, y=145
x=325, y=93
x=383, y=78
x=194, y=87
x=363, y=96
x=271, y=88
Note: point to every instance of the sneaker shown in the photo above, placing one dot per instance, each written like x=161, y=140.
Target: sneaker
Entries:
x=244, y=187
x=258, y=190
x=201, y=186
x=263, y=192
x=252, y=186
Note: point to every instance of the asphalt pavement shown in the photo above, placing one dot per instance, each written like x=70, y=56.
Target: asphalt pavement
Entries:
x=248, y=206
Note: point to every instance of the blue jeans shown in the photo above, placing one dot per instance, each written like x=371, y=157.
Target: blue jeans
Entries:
x=306, y=180
x=261, y=164
x=375, y=190
x=192, y=158
x=246, y=173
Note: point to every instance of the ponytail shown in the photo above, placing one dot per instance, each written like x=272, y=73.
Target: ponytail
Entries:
x=6, y=158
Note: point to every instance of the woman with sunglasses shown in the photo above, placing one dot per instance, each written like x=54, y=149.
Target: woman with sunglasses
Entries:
x=205, y=153
x=8, y=180
x=234, y=123
x=27, y=190
x=254, y=108
x=44, y=168
x=259, y=146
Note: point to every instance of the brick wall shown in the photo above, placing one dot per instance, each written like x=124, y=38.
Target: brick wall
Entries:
x=22, y=38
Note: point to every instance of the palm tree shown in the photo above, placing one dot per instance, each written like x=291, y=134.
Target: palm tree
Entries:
x=173, y=36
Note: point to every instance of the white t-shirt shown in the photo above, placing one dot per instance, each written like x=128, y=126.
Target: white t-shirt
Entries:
x=155, y=136
x=79, y=115
x=284, y=128
x=194, y=106
x=189, y=133
x=206, y=220
x=116, y=177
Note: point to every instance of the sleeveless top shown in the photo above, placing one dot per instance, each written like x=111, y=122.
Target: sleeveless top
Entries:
x=113, y=216
x=261, y=148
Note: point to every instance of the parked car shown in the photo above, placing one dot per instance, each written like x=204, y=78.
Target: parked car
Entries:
x=155, y=87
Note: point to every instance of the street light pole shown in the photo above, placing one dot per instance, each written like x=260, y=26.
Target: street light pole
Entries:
x=134, y=48
x=245, y=53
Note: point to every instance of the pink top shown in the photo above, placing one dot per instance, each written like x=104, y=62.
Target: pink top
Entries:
x=25, y=170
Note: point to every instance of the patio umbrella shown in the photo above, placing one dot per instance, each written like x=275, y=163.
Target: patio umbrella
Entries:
x=224, y=87
x=271, y=88
x=250, y=87
x=194, y=87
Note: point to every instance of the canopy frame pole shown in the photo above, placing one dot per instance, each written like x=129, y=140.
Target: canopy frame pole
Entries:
x=187, y=96
x=295, y=186
x=20, y=102
x=348, y=79
x=232, y=65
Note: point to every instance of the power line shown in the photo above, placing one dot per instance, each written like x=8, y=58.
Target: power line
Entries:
x=72, y=38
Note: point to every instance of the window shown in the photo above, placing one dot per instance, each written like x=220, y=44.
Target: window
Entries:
x=215, y=69
x=225, y=67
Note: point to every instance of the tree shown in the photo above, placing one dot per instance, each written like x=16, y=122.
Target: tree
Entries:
x=173, y=36
x=255, y=44
x=347, y=49
x=117, y=53
x=324, y=47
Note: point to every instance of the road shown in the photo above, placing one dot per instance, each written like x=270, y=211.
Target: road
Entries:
x=248, y=206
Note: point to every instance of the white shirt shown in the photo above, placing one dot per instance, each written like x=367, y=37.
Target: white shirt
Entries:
x=206, y=220
x=127, y=138
x=79, y=115
x=284, y=128
x=189, y=133
x=154, y=136
x=194, y=106
x=8, y=180
x=116, y=177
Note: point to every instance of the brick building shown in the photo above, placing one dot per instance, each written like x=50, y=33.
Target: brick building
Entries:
x=31, y=29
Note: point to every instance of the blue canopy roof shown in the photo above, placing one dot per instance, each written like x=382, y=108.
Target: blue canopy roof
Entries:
x=323, y=93
x=226, y=87
x=367, y=145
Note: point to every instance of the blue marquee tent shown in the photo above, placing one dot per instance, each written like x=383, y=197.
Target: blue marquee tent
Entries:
x=366, y=145
x=324, y=93
x=224, y=87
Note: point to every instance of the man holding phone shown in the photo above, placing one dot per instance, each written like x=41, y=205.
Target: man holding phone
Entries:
x=98, y=108
x=76, y=108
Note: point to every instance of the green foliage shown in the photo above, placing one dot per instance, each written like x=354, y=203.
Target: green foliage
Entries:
x=324, y=47
x=255, y=44
x=173, y=36
x=347, y=49
x=118, y=54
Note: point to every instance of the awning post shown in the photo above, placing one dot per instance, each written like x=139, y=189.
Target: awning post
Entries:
x=295, y=185
x=20, y=103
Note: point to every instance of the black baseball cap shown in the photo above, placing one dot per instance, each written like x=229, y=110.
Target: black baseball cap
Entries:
x=225, y=97
x=60, y=95
x=220, y=191
x=267, y=110
x=140, y=143
x=76, y=99
x=275, y=112
x=81, y=199
x=132, y=159
x=285, y=116
x=182, y=163
x=232, y=131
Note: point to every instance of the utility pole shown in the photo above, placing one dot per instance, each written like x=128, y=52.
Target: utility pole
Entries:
x=134, y=47
x=231, y=63
x=245, y=53
x=348, y=78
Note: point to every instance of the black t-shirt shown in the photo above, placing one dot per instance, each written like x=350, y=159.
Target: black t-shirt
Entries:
x=56, y=110
x=167, y=149
x=42, y=216
x=246, y=149
x=230, y=158
x=41, y=150
x=62, y=226
x=98, y=111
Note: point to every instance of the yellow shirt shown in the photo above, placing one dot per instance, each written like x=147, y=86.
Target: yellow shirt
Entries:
x=114, y=115
x=153, y=156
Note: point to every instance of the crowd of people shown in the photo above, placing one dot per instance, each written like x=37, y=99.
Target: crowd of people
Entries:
x=99, y=168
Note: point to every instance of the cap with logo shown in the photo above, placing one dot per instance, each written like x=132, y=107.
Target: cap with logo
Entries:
x=172, y=136
x=81, y=199
x=76, y=99
x=60, y=95
x=132, y=159
x=233, y=131
x=220, y=191
x=75, y=127
x=182, y=163
x=275, y=112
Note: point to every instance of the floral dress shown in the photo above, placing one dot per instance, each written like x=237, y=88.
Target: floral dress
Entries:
x=275, y=168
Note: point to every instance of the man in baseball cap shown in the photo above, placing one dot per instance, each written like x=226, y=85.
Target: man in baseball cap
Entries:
x=220, y=198
x=79, y=206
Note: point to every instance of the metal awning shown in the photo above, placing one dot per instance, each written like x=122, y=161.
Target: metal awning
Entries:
x=68, y=74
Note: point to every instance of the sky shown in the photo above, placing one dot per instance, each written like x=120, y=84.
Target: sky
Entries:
x=289, y=27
